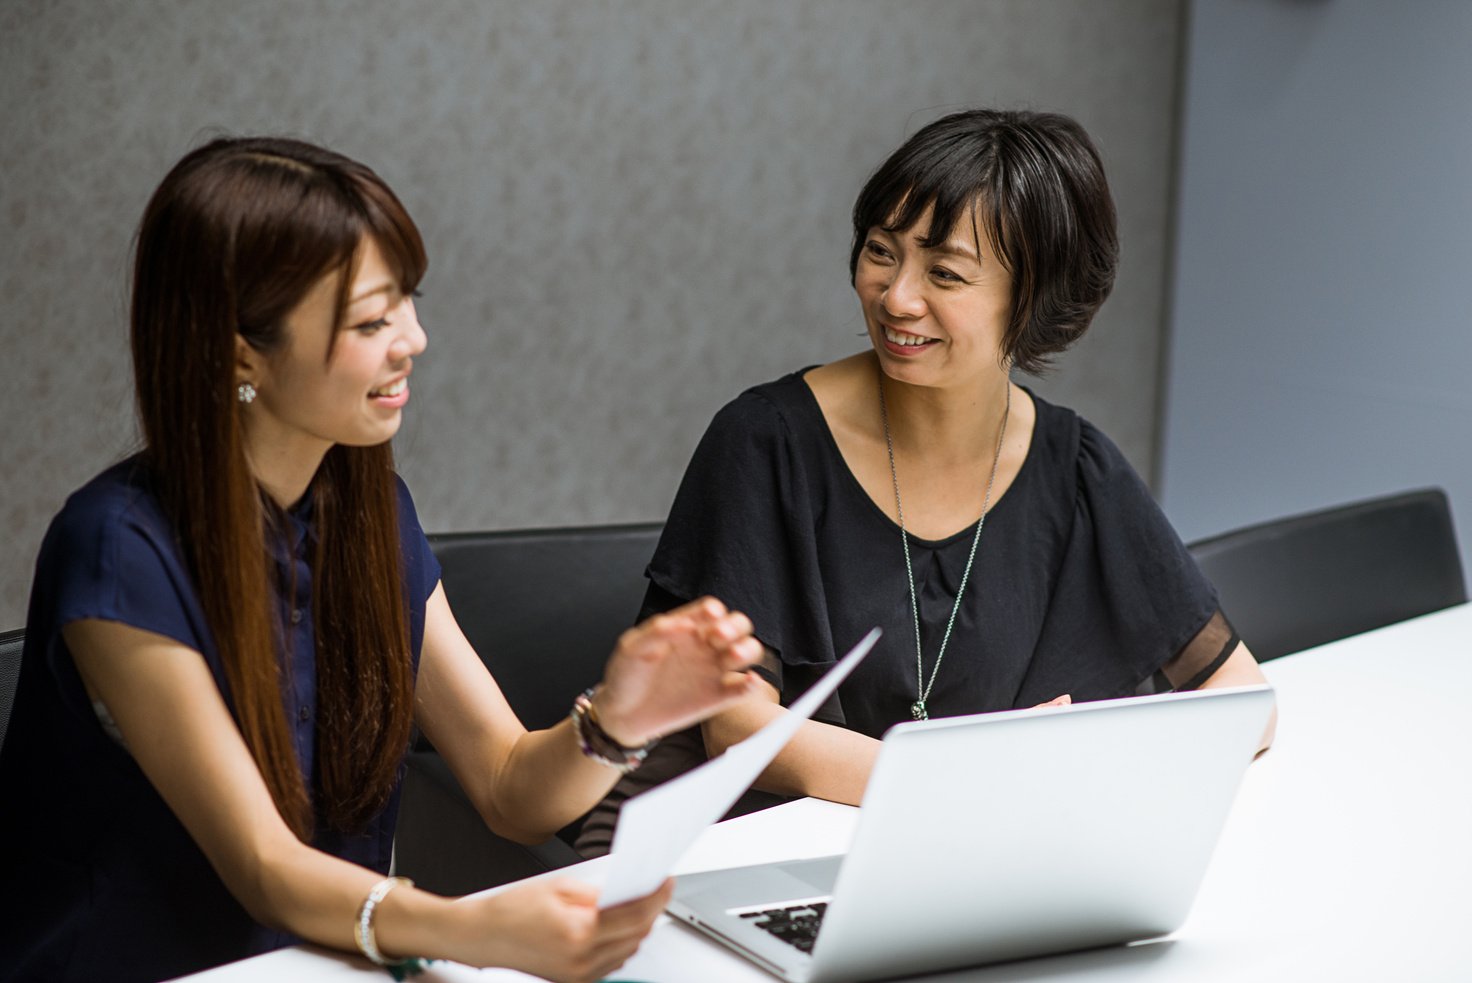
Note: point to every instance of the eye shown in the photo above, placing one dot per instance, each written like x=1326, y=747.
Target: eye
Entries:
x=372, y=327
x=877, y=250
x=946, y=276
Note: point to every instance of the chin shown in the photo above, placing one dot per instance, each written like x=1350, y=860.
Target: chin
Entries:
x=369, y=440
x=905, y=371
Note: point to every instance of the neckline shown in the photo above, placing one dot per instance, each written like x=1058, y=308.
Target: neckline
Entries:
x=811, y=401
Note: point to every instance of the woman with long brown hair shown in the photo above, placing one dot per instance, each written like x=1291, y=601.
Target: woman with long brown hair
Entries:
x=232, y=633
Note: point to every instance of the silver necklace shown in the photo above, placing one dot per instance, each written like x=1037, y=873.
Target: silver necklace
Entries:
x=918, y=709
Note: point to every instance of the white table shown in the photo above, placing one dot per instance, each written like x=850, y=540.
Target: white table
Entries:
x=1347, y=856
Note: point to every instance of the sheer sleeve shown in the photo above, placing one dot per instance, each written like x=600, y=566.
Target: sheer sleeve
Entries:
x=1203, y=655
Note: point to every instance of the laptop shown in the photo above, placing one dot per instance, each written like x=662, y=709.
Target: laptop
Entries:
x=1000, y=836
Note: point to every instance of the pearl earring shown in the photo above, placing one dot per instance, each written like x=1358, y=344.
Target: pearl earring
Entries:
x=246, y=393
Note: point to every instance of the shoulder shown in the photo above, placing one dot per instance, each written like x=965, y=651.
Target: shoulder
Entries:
x=422, y=570
x=1083, y=471
x=749, y=468
x=1102, y=466
x=411, y=531
x=773, y=403
x=115, y=508
x=1077, y=447
x=405, y=499
x=771, y=413
x=1055, y=428
x=113, y=554
x=1052, y=463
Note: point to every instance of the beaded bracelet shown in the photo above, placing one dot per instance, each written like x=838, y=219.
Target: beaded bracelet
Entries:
x=368, y=943
x=596, y=742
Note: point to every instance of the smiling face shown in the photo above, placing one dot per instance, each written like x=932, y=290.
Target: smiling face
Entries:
x=333, y=381
x=936, y=315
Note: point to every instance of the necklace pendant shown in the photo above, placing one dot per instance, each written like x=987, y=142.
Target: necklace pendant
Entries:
x=918, y=711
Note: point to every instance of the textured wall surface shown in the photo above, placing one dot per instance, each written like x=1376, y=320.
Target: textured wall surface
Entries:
x=1321, y=347
x=633, y=210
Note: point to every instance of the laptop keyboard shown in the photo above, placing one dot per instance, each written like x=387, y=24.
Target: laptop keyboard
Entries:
x=797, y=925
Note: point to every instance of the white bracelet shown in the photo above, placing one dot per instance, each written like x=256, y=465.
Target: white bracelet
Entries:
x=363, y=930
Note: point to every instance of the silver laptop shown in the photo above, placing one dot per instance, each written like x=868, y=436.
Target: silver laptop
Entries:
x=1000, y=836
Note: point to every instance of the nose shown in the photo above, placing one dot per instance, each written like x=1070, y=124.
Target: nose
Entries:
x=411, y=339
x=902, y=296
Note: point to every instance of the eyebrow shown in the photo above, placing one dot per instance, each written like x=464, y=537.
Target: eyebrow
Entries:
x=385, y=287
x=951, y=249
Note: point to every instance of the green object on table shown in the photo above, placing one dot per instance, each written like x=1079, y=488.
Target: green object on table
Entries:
x=409, y=967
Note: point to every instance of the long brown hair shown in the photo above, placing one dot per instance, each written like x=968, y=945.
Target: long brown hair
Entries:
x=230, y=243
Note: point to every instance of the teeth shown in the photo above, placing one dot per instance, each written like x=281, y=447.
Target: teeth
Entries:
x=392, y=390
x=897, y=338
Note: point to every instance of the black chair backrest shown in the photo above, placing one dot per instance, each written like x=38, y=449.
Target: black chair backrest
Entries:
x=544, y=607
x=1305, y=580
x=11, y=643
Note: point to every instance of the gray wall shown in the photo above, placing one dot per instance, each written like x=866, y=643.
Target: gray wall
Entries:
x=1320, y=349
x=633, y=209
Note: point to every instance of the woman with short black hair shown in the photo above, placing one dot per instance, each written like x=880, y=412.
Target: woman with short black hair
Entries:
x=1008, y=549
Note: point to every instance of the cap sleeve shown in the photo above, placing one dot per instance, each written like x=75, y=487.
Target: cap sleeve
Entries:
x=1128, y=597
x=421, y=569
x=116, y=561
x=741, y=529
x=110, y=555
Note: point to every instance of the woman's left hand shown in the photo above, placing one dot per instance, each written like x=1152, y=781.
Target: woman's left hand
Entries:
x=676, y=669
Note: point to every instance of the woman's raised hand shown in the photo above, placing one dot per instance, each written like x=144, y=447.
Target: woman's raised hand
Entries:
x=676, y=669
x=553, y=929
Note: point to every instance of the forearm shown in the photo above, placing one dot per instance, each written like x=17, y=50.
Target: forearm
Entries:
x=821, y=760
x=298, y=889
x=1241, y=669
x=317, y=896
x=548, y=928
x=545, y=783
x=664, y=676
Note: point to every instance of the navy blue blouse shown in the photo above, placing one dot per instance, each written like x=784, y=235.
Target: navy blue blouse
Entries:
x=101, y=881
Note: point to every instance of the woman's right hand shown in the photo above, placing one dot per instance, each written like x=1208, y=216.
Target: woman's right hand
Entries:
x=554, y=929
x=676, y=669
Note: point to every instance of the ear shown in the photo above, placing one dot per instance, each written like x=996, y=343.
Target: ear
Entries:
x=250, y=366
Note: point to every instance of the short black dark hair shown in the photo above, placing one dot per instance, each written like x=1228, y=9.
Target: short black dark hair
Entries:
x=1036, y=186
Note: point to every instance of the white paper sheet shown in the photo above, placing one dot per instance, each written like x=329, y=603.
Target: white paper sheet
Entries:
x=656, y=827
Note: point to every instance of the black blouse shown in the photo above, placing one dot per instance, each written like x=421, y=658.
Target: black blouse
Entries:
x=1079, y=585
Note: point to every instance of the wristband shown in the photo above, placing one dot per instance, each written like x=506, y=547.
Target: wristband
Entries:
x=595, y=741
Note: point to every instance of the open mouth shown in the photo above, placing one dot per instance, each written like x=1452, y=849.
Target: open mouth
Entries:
x=391, y=390
x=904, y=341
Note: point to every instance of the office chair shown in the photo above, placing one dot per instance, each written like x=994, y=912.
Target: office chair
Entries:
x=11, y=643
x=1304, y=580
x=543, y=608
